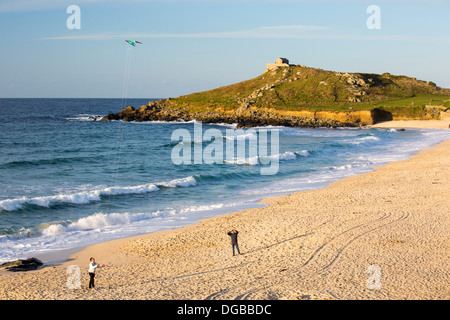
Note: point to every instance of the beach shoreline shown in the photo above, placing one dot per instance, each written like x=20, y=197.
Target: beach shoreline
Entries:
x=179, y=263
x=66, y=255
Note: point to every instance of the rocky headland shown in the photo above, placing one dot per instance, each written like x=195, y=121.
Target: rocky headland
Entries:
x=295, y=95
x=250, y=117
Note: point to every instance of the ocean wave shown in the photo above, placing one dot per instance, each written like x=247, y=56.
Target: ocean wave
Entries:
x=250, y=136
x=241, y=137
x=343, y=167
x=302, y=153
x=252, y=161
x=86, y=197
x=182, y=182
x=256, y=160
x=363, y=140
x=85, y=117
x=101, y=221
x=95, y=221
x=184, y=142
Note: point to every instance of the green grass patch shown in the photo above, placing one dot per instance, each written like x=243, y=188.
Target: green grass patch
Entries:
x=418, y=100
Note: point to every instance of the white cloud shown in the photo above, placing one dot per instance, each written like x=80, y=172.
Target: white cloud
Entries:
x=292, y=31
x=280, y=32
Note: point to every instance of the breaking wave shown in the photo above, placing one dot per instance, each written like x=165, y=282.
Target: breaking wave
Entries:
x=257, y=160
x=93, y=195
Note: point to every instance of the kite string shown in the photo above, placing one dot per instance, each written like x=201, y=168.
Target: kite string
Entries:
x=126, y=76
x=124, y=102
x=119, y=140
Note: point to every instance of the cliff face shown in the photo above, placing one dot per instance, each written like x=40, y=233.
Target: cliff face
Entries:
x=291, y=96
x=359, y=118
x=249, y=117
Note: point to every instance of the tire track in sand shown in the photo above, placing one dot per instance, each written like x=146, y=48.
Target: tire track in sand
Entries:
x=336, y=245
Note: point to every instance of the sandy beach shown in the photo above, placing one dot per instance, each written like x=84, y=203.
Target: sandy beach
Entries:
x=380, y=235
x=424, y=124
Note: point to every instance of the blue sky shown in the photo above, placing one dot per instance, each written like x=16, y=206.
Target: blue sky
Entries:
x=191, y=46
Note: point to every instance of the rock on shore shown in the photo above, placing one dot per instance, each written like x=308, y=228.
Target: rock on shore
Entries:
x=22, y=265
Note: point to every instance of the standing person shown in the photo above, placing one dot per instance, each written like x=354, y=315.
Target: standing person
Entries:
x=92, y=266
x=234, y=242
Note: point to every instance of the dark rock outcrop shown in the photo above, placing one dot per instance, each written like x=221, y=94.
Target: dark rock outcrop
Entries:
x=379, y=115
x=22, y=265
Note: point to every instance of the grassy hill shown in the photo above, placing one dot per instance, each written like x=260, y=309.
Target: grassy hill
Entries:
x=301, y=88
x=301, y=92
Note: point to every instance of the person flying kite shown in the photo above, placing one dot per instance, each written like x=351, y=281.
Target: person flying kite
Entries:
x=133, y=42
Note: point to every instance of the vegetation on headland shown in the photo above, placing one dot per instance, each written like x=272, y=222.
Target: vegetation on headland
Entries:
x=302, y=96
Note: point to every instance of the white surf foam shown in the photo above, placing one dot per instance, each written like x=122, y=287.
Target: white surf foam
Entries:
x=242, y=137
x=86, y=197
x=256, y=160
x=85, y=117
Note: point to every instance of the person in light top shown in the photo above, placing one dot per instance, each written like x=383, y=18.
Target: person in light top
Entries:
x=92, y=266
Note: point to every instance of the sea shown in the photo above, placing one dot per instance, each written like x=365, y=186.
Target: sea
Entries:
x=68, y=180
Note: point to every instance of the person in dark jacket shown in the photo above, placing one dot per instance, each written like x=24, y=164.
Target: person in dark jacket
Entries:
x=234, y=242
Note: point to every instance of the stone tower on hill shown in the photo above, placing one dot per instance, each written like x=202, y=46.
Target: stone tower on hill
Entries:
x=279, y=63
